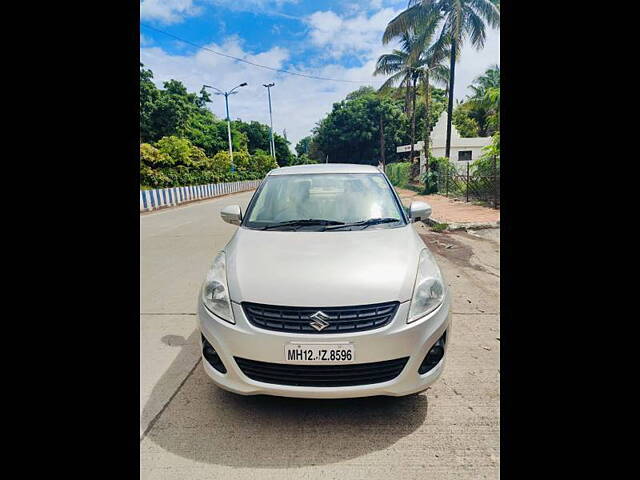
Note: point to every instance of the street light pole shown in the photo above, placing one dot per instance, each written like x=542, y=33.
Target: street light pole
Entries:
x=272, y=145
x=226, y=102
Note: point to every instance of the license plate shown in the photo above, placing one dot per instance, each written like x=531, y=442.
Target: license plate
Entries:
x=319, y=353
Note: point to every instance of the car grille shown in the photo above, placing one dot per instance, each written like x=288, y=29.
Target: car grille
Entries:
x=322, y=375
x=340, y=319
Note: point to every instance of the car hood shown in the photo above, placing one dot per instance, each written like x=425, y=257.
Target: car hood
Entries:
x=323, y=269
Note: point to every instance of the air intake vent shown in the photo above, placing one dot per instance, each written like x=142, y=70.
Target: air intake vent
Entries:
x=322, y=375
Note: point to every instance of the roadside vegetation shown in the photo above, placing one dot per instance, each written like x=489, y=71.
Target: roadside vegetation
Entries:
x=439, y=227
x=184, y=143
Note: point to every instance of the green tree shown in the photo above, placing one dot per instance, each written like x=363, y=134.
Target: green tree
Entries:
x=258, y=136
x=361, y=92
x=485, y=100
x=406, y=71
x=459, y=20
x=418, y=60
x=465, y=120
x=350, y=133
x=303, y=159
x=149, y=95
x=302, y=147
x=204, y=130
x=315, y=154
x=283, y=154
x=170, y=112
x=479, y=114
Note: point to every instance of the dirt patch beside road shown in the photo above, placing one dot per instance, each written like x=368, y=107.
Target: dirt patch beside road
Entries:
x=446, y=210
x=458, y=247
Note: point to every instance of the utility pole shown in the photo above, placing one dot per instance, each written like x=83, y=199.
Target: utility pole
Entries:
x=382, y=142
x=272, y=145
x=452, y=69
x=226, y=102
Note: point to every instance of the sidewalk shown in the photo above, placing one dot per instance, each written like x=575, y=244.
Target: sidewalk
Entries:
x=455, y=213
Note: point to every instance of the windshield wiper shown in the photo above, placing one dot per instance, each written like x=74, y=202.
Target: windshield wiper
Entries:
x=365, y=223
x=303, y=223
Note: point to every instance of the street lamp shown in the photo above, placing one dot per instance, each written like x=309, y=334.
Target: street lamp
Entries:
x=272, y=145
x=226, y=101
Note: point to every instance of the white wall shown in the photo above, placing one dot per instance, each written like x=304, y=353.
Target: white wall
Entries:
x=439, y=138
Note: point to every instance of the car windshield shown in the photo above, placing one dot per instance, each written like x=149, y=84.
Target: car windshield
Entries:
x=319, y=202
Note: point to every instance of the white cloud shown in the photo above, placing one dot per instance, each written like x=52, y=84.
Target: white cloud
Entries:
x=145, y=41
x=360, y=34
x=168, y=11
x=474, y=62
x=255, y=6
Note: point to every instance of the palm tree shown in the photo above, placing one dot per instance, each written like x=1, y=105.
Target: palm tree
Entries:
x=433, y=70
x=407, y=69
x=459, y=19
x=486, y=98
x=406, y=72
x=398, y=65
x=489, y=79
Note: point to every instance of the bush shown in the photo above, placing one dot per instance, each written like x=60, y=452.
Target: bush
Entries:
x=175, y=162
x=484, y=165
x=399, y=173
x=263, y=163
x=152, y=157
x=177, y=149
x=439, y=227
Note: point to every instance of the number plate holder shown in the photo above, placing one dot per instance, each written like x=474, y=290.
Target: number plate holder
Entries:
x=337, y=353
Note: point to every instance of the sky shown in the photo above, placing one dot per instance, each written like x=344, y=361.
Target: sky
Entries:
x=339, y=39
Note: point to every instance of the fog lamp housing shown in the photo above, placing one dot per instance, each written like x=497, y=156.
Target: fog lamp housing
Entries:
x=434, y=355
x=212, y=356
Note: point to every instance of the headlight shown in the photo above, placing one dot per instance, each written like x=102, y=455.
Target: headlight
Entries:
x=215, y=292
x=428, y=292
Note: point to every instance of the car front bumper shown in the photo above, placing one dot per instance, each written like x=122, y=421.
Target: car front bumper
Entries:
x=395, y=340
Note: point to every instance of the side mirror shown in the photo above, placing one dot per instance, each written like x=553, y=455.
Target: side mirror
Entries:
x=419, y=211
x=231, y=214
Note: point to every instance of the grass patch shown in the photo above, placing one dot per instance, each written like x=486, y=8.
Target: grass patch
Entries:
x=414, y=188
x=439, y=227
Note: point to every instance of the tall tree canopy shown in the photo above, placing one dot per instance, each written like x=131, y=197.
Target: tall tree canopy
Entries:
x=350, y=133
x=479, y=115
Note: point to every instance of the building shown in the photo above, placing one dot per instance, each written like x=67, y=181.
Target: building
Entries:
x=463, y=150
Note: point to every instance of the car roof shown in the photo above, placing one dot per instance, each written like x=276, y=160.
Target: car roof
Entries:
x=325, y=168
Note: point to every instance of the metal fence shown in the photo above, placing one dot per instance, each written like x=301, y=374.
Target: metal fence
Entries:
x=483, y=186
x=167, y=197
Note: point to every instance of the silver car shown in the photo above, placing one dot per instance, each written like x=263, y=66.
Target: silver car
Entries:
x=325, y=290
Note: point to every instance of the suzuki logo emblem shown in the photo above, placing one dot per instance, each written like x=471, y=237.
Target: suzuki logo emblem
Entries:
x=319, y=320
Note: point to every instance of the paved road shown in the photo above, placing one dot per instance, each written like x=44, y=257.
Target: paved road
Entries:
x=191, y=429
